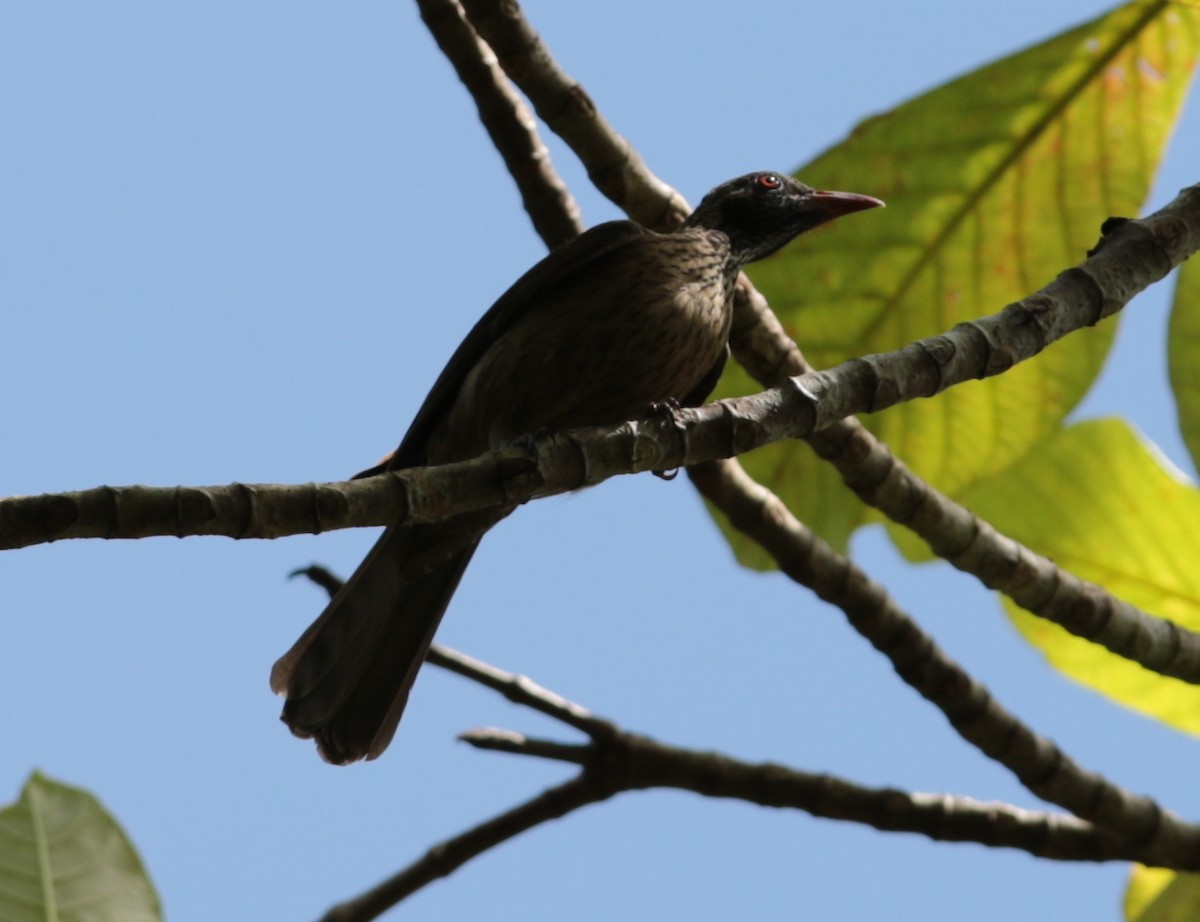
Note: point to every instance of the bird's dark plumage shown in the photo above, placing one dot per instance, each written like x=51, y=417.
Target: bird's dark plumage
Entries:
x=605, y=326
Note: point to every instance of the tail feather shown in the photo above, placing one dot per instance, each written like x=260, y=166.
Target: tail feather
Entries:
x=348, y=676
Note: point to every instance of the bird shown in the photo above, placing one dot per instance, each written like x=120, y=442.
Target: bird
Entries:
x=612, y=323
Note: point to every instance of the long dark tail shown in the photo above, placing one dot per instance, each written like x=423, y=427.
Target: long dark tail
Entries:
x=348, y=677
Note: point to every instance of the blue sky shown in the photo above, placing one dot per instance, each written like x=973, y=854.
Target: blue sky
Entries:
x=239, y=241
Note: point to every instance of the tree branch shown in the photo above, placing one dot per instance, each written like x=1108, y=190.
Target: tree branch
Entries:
x=615, y=761
x=626, y=167
x=509, y=124
x=762, y=346
x=1036, y=761
x=1099, y=286
x=521, y=690
x=970, y=544
x=1096, y=288
x=630, y=762
x=613, y=164
x=865, y=463
x=516, y=688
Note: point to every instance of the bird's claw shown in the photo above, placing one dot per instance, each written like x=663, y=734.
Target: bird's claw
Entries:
x=529, y=441
x=519, y=473
x=671, y=409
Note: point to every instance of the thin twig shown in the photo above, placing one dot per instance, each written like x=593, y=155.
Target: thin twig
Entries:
x=629, y=762
x=516, y=688
x=520, y=689
x=494, y=739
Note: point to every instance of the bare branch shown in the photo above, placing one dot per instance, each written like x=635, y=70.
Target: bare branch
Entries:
x=762, y=346
x=520, y=689
x=629, y=762
x=1101, y=285
x=623, y=171
x=551, y=208
x=1031, y=580
x=613, y=165
x=494, y=739
x=615, y=761
x=981, y=720
x=804, y=557
x=760, y=343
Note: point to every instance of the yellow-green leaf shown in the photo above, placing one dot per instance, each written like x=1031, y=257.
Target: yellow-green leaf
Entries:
x=1159, y=895
x=1183, y=354
x=1104, y=505
x=63, y=858
x=995, y=182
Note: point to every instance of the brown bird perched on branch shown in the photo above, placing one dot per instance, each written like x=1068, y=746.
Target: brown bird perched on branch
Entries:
x=613, y=322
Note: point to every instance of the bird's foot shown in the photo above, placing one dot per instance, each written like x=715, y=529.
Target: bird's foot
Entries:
x=529, y=441
x=519, y=470
x=671, y=409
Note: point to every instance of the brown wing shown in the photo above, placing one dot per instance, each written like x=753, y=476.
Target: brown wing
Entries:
x=525, y=293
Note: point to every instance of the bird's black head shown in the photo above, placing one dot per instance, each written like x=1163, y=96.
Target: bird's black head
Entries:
x=760, y=212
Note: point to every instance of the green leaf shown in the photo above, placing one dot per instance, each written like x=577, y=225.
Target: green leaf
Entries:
x=994, y=182
x=1104, y=505
x=1183, y=354
x=1159, y=895
x=63, y=858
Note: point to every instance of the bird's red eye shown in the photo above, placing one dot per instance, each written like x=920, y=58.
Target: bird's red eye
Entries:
x=770, y=181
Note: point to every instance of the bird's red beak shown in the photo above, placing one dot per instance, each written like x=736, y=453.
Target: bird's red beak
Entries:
x=835, y=204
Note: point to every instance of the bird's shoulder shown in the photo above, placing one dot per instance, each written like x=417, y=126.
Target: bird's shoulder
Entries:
x=599, y=243
x=613, y=239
